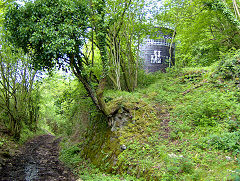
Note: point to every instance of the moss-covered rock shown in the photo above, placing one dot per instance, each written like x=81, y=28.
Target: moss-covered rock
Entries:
x=107, y=144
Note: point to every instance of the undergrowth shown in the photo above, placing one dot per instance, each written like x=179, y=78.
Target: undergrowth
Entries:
x=193, y=131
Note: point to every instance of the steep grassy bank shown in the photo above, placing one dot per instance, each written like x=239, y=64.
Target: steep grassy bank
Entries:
x=184, y=126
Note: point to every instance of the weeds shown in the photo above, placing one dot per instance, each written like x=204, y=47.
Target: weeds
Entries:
x=202, y=141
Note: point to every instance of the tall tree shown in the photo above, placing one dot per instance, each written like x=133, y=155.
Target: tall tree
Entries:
x=18, y=99
x=204, y=28
x=127, y=25
x=55, y=32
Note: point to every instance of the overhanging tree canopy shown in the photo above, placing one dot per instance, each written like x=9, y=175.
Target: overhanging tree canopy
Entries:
x=54, y=32
x=52, y=29
x=205, y=28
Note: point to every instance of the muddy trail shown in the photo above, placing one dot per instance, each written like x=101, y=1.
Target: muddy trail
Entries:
x=38, y=160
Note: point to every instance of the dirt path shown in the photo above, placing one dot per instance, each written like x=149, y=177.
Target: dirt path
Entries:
x=37, y=161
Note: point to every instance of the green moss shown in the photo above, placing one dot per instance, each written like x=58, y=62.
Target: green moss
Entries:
x=103, y=146
x=164, y=138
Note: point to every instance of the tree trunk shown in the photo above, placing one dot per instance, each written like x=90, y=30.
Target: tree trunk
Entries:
x=97, y=98
x=170, y=49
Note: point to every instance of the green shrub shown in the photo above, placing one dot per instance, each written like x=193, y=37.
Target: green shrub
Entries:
x=204, y=109
x=229, y=66
x=176, y=166
x=70, y=155
x=146, y=79
x=226, y=141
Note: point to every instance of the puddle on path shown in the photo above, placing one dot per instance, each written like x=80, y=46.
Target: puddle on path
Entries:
x=38, y=161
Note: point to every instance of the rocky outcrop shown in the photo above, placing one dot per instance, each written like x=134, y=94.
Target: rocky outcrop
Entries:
x=105, y=142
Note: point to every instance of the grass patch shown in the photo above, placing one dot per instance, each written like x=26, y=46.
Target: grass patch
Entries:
x=185, y=127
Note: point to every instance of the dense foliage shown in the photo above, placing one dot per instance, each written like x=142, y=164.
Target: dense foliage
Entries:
x=19, y=101
x=204, y=29
x=45, y=32
x=55, y=33
x=179, y=125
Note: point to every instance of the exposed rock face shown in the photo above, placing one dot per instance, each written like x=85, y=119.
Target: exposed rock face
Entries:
x=105, y=142
x=120, y=119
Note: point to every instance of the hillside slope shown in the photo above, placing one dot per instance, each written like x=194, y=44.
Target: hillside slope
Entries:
x=184, y=126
